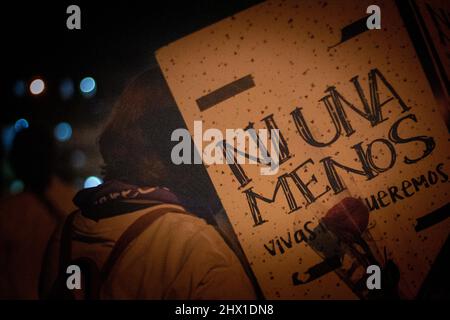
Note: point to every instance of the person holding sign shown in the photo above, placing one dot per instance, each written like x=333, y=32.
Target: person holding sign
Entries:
x=141, y=237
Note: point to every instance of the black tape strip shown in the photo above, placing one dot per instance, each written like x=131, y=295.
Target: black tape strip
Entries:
x=352, y=30
x=225, y=92
x=433, y=218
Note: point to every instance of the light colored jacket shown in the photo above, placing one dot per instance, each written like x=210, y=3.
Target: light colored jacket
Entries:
x=178, y=257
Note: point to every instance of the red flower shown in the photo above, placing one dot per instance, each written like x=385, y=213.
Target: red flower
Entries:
x=349, y=217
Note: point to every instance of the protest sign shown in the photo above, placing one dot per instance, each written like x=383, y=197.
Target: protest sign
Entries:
x=357, y=118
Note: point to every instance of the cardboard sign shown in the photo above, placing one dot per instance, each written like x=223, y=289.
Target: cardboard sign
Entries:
x=357, y=119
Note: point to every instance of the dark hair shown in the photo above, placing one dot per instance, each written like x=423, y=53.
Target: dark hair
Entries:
x=32, y=157
x=136, y=145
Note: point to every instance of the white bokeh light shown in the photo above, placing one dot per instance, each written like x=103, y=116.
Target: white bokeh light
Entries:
x=37, y=86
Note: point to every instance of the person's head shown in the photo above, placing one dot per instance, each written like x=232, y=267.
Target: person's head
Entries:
x=136, y=143
x=32, y=157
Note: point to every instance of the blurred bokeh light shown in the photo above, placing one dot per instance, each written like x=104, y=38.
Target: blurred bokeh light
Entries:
x=92, y=181
x=20, y=88
x=37, y=86
x=16, y=186
x=88, y=86
x=8, y=134
x=63, y=131
x=66, y=89
x=21, y=124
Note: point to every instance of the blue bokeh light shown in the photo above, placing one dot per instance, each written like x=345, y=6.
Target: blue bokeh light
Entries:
x=8, y=134
x=63, y=131
x=20, y=88
x=16, y=186
x=88, y=86
x=92, y=181
x=66, y=89
x=21, y=124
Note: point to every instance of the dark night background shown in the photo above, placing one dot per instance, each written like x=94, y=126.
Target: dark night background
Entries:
x=116, y=42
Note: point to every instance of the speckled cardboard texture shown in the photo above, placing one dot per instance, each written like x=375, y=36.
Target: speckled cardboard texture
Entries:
x=293, y=52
